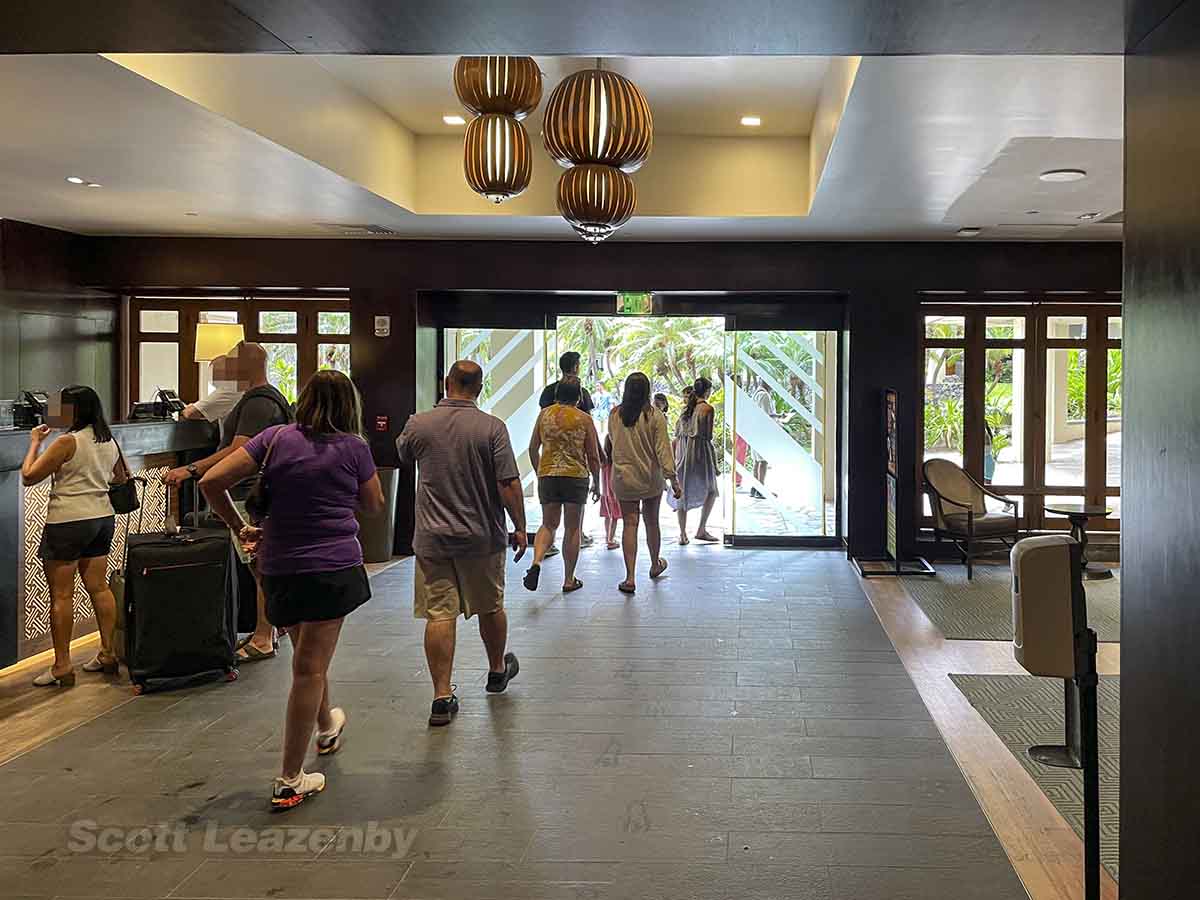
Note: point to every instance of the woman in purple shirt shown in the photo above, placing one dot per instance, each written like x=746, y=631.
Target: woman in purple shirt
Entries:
x=317, y=474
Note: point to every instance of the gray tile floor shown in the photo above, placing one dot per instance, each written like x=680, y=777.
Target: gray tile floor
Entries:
x=740, y=729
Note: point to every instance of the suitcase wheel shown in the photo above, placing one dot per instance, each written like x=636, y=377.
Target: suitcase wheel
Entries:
x=231, y=675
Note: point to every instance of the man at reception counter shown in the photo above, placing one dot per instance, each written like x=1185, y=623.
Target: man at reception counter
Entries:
x=221, y=401
x=261, y=405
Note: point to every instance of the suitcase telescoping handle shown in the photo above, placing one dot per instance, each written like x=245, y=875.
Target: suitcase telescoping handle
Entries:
x=173, y=525
x=136, y=479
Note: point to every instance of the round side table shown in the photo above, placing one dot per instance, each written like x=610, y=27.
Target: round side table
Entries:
x=1078, y=514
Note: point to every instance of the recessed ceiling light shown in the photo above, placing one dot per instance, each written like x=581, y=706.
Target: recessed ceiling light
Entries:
x=751, y=121
x=1032, y=212
x=75, y=179
x=94, y=184
x=191, y=213
x=969, y=232
x=1087, y=217
x=1060, y=176
x=454, y=120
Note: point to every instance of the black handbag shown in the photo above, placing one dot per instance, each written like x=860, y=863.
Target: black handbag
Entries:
x=258, y=500
x=123, y=496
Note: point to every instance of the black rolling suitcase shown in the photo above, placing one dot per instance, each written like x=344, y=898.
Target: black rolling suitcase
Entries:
x=180, y=609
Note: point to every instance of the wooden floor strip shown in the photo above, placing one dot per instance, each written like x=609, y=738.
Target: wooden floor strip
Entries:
x=1043, y=848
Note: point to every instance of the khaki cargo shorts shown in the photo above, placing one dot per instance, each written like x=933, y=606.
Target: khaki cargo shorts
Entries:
x=446, y=588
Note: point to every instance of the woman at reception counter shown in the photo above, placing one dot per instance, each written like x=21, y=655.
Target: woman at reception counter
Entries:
x=82, y=464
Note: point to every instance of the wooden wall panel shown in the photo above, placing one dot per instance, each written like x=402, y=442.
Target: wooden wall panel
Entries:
x=1160, y=576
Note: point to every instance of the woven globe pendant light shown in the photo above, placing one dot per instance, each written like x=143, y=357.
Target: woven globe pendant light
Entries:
x=596, y=200
x=598, y=126
x=499, y=91
x=597, y=116
x=508, y=85
x=497, y=157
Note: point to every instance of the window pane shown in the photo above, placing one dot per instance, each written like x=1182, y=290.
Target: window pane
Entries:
x=1114, y=327
x=204, y=368
x=1112, y=454
x=334, y=356
x=1001, y=327
x=1004, y=418
x=1066, y=411
x=278, y=322
x=944, y=404
x=159, y=321
x=1066, y=327
x=218, y=317
x=945, y=327
x=281, y=368
x=333, y=323
x=158, y=367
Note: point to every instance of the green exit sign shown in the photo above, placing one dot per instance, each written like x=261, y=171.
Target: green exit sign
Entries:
x=635, y=303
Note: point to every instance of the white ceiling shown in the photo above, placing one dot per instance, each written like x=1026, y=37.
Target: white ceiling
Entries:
x=927, y=144
x=687, y=95
x=158, y=158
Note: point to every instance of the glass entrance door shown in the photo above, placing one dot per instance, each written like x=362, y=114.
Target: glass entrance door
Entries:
x=781, y=397
x=517, y=364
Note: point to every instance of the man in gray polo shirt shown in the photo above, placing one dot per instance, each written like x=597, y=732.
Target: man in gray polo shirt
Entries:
x=467, y=478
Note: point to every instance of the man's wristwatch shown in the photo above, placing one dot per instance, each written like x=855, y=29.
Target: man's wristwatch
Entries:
x=192, y=470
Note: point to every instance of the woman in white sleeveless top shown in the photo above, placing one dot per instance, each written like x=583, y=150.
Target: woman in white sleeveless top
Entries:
x=82, y=464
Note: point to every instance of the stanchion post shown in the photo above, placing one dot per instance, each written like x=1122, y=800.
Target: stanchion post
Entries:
x=1087, y=682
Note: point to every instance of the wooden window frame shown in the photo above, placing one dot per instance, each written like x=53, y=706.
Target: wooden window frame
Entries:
x=1037, y=310
x=306, y=338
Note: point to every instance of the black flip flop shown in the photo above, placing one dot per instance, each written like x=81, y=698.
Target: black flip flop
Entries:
x=574, y=587
x=660, y=571
x=531, y=577
x=626, y=588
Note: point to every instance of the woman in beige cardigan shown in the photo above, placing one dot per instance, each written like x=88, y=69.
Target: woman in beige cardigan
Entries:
x=640, y=451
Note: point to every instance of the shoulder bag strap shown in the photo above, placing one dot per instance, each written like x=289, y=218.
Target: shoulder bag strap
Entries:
x=262, y=470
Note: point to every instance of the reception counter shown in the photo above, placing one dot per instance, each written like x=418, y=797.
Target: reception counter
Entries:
x=150, y=448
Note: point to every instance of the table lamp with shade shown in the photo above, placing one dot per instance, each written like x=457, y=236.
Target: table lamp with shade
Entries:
x=215, y=339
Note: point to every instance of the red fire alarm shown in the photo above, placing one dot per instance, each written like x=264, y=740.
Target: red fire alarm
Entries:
x=381, y=423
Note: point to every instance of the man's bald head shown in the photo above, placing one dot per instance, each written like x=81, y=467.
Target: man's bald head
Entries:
x=464, y=381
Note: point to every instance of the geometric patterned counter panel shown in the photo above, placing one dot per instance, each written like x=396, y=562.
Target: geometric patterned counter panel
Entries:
x=36, y=593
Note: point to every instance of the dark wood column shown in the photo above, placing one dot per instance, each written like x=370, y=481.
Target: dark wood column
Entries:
x=1160, y=576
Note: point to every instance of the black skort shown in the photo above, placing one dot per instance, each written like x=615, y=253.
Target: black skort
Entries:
x=315, y=596
x=560, y=489
x=70, y=541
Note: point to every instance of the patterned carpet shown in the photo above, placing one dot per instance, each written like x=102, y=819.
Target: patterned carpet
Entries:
x=1023, y=711
x=981, y=610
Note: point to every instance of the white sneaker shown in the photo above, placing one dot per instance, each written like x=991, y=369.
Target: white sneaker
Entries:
x=329, y=742
x=285, y=794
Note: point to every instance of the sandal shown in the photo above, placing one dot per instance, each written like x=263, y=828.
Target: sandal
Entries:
x=612, y=545
x=531, y=577
x=49, y=679
x=683, y=540
x=705, y=536
x=662, y=567
x=575, y=585
x=627, y=587
x=96, y=664
x=250, y=653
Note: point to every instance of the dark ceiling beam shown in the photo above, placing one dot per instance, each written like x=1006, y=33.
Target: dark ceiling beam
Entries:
x=1143, y=16
x=576, y=27
x=131, y=26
